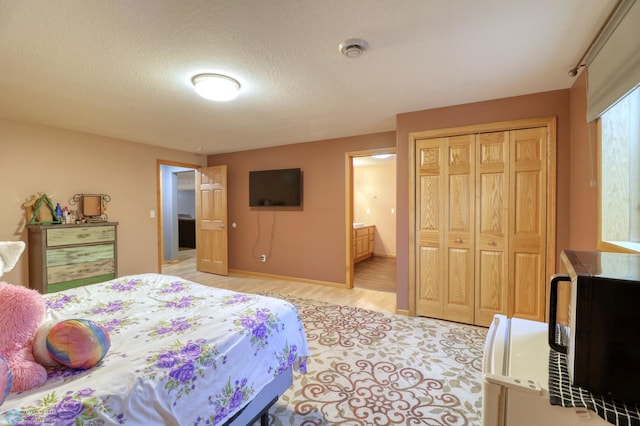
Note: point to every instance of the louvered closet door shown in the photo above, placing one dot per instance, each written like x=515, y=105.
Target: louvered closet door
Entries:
x=528, y=223
x=492, y=216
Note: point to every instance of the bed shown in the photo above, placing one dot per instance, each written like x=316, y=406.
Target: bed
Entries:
x=181, y=354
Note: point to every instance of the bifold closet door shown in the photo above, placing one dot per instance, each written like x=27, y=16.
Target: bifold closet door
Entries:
x=528, y=223
x=446, y=218
x=511, y=225
x=492, y=226
x=430, y=191
x=484, y=215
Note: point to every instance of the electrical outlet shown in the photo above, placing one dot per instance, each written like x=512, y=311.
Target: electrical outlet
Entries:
x=263, y=258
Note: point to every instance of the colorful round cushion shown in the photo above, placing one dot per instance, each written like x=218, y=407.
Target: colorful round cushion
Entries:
x=78, y=343
x=6, y=379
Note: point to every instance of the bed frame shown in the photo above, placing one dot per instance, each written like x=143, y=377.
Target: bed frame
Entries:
x=258, y=407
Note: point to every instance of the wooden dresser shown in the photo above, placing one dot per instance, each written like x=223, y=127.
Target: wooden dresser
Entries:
x=67, y=256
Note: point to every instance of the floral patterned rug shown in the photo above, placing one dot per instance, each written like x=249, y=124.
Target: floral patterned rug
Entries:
x=372, y=368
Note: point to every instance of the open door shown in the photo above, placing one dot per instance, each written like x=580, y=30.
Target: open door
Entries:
x=211, y=220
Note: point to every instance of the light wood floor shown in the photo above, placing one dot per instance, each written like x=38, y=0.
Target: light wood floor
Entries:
x=358, y=297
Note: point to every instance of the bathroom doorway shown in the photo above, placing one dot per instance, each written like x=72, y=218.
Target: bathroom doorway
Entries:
x=372, y=220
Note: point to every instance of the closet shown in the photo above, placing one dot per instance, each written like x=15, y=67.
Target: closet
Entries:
x=484, y=213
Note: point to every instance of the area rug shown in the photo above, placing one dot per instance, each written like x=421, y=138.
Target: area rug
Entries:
x=371, y=368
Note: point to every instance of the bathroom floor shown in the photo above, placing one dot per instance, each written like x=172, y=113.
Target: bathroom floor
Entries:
x=376, y=273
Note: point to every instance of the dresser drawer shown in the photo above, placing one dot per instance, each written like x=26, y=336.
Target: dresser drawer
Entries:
x=79, y=271
x=79, y=254
x=80, y=235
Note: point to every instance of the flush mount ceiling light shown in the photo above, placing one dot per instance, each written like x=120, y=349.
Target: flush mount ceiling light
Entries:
x=353, y=47
x=216, y=87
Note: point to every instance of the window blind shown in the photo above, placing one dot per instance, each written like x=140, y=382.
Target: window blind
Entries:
x=615, y=69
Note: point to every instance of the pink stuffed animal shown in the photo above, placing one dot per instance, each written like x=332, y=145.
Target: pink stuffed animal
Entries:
x=25, y=340
x=21, y=313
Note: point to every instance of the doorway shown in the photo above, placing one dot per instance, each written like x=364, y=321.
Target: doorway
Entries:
x=176, y=213
x=371, y=220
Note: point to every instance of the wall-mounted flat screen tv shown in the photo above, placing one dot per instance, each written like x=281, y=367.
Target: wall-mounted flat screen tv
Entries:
x=275, y=188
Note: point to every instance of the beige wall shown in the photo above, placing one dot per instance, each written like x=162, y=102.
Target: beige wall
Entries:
x=306, y=243
x=374, y=202
x=62, y=163
x=554, y=103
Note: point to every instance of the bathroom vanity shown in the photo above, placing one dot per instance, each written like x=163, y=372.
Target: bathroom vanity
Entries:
x=363, y=237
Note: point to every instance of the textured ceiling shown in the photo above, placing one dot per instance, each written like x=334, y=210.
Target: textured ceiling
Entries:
x=123, y=68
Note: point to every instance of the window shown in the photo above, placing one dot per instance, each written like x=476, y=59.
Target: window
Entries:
x=620, y=175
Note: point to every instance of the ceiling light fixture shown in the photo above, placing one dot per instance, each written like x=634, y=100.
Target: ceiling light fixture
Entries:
x=353, y=47
x=216, y=87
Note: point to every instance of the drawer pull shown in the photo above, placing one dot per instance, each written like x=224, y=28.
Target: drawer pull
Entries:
x=459, y=240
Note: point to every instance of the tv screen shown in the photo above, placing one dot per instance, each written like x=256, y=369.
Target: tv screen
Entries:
x=276, y=188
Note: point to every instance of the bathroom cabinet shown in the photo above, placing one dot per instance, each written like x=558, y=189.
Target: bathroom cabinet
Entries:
x=363, y=242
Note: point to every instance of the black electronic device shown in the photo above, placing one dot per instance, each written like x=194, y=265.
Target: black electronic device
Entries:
x=275, y=188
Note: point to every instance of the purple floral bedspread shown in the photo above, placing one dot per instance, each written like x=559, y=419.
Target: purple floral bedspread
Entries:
x=181, y=354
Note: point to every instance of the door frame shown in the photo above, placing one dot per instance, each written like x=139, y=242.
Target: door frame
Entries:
x=550, y=124
x=159, y=217
x=348, y=190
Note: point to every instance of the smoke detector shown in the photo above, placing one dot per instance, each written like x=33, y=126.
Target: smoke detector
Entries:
x=353, y=47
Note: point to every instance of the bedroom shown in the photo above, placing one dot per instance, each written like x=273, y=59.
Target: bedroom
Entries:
x=40, y=155
x=73, y=161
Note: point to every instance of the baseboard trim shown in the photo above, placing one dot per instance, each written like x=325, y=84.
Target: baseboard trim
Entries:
x=404, y=312
x=286, y=278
